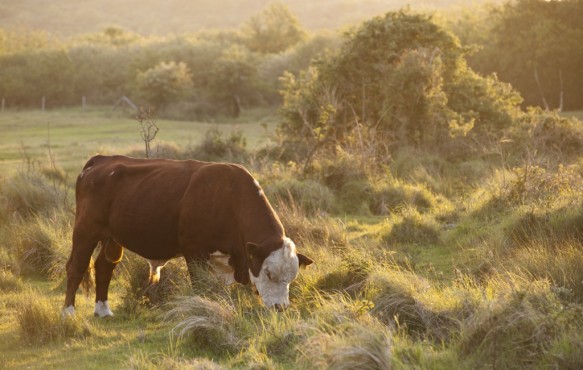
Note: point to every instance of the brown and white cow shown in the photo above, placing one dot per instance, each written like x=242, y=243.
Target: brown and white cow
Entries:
x=162, y=209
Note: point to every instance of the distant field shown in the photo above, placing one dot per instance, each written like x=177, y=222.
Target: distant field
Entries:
x=76, y=135
x=577, y=114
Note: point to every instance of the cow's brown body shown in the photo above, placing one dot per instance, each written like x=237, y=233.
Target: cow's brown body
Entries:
x=161, y=209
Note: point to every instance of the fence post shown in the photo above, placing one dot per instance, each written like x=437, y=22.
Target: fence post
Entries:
x=43, y=104
x=83, y=102
x=3, y=104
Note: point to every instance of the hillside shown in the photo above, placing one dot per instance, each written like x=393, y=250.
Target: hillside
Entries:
x=68, y=17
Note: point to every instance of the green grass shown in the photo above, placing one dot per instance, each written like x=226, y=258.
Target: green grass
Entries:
x=75, y=135
x=442, y=286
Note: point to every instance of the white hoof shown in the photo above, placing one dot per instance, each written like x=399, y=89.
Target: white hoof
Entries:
x=102, y=309
x=68, y=311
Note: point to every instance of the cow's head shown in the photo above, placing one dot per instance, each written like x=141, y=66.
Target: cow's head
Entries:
x=271, y=271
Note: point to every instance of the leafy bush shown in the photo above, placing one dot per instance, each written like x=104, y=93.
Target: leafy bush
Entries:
x=166, y=82
x=215, y=147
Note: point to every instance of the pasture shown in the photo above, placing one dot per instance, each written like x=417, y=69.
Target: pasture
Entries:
x=435, y=264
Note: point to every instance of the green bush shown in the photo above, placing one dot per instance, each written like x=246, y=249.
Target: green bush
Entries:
x=215, y=147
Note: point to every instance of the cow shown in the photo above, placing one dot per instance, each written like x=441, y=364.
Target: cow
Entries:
x=161, y=209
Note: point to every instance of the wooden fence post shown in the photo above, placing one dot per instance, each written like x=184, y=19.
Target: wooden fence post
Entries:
x=3, y=104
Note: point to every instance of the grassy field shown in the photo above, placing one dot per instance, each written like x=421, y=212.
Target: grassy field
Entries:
x=434, y=265
x=75, y=135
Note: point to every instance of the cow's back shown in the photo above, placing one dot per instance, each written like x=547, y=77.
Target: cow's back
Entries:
x=137, y=202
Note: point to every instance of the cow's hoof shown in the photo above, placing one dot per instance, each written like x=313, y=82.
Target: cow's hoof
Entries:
x=102, y=309
x=68, y=311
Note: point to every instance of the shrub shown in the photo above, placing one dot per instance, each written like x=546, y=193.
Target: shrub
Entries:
x=391, y=197
x=165, y=82
x=354, y=196
x=214, y=147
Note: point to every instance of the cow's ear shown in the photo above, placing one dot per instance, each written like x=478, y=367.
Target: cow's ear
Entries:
x=304, y=261
x=252, y=249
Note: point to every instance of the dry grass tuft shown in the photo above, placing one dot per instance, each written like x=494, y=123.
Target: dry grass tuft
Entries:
x=204, y=322
x=40, y=321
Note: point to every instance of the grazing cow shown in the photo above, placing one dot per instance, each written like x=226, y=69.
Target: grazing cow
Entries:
x=162, y=209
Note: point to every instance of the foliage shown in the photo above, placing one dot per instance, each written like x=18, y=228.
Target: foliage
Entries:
x=164, y=83
x=416, y=89
x=534, y=45
x=273, y=30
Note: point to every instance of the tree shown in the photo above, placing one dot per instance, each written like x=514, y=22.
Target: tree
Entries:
x=273, y=30
x=234, y=78
x=166, y=82
x=399, y=79
x=536, y=46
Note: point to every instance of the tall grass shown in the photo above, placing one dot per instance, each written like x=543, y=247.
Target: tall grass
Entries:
x=39, y=321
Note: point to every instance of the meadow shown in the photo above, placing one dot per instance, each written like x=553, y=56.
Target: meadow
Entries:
x=431, y=263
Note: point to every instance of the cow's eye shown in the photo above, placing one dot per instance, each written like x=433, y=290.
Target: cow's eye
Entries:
x=268, y=274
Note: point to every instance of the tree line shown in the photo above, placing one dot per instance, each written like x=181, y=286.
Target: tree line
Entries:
x=532, y=44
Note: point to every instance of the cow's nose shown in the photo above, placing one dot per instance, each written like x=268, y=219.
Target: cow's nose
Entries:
x=279, y=307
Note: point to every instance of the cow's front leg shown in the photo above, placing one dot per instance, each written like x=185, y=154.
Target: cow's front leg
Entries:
x=110, y=255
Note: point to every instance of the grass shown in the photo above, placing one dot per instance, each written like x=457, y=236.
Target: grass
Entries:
x=74, y=135
x=482, y=275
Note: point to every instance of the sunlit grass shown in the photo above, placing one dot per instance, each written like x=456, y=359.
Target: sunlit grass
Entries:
x=75, y=135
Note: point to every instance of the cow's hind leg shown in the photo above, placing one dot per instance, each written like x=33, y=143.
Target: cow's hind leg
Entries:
x=109, y=256
x=77, y=265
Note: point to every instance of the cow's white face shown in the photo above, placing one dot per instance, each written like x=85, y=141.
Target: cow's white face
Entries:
x=277, y=272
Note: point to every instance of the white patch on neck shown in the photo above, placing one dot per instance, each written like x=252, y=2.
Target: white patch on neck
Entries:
x=258, y=187
x=102, y=309
x=155, y=268
x=277, y=272
x=221, y=268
